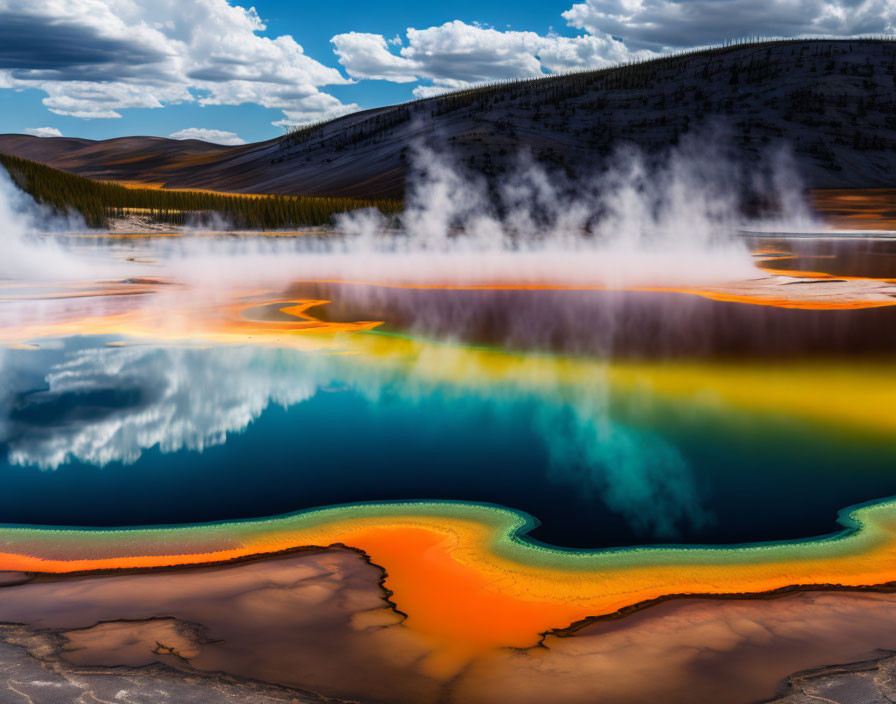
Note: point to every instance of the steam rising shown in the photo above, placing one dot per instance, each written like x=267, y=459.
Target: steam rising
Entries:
x=668, y=221
x=25, y=254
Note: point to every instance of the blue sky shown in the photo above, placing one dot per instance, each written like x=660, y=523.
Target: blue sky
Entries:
x=221, y=70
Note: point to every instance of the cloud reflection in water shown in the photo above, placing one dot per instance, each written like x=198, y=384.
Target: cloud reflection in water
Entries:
x=99, y=405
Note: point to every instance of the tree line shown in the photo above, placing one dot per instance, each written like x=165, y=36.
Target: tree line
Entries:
x=98, y=201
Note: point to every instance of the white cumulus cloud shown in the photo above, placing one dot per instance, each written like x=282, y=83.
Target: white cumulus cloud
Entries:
x=456, y=55
x=206, y=135
x=665, y=24
x=368, y=56
x=43, y=132
x=94, y=58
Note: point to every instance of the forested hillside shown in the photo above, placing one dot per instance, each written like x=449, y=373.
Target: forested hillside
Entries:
x=98, y=201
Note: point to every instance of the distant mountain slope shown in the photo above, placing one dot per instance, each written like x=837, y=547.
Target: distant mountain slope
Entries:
x=110, y=159
x=833, y=102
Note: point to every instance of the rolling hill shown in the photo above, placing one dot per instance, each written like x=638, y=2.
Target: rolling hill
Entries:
x=832, y=102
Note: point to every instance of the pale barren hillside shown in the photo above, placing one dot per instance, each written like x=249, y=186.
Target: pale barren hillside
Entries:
x=832, y=102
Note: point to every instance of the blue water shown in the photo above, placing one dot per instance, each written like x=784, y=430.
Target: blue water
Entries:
x=100, y=436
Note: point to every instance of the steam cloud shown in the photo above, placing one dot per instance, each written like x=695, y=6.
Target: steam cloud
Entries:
x=661, y=221
x=25, y=254
x=664, y=221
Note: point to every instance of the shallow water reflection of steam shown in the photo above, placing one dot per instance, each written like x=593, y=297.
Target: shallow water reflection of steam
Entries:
x=636, y=472
x=99, y=405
